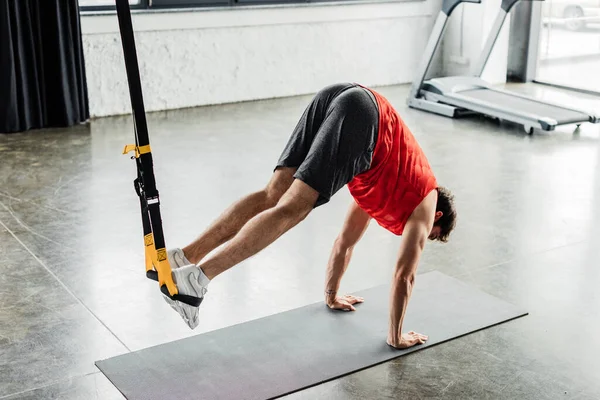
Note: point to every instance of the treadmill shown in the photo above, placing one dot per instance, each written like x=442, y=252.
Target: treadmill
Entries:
x=455, y=96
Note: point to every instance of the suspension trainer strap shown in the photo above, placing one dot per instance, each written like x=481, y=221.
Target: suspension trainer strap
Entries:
x=157, y=264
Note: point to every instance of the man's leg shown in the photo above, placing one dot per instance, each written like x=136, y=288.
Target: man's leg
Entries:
x=263, y=229
x=228, y=224
x=255, y=235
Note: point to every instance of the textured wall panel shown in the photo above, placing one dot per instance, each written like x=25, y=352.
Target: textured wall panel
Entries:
x=192, y=67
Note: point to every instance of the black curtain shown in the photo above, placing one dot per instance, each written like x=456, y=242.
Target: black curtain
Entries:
x=42, y=71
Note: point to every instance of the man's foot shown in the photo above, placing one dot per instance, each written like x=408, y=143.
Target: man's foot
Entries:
x=407, y=340
x=191, y=281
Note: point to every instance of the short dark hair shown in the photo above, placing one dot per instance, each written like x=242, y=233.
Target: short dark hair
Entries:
x=447, y=221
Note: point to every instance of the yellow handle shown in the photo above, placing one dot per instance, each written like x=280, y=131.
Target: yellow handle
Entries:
x=157, y=259
x=139, y=150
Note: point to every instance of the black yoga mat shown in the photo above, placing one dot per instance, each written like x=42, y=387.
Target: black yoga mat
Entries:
x=283, y=353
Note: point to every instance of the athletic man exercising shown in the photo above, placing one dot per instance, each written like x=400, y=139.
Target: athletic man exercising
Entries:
x=348, y=135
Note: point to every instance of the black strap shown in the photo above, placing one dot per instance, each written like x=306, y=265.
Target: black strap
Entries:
x=137, y=99
x=133, y=72
x=145, y=185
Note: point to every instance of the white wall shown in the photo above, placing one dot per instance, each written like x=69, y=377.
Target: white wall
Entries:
x=200, y=57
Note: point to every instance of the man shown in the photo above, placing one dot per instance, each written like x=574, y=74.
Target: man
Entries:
x=348, y=135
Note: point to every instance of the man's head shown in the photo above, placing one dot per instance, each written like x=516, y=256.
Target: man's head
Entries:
x=445, y=216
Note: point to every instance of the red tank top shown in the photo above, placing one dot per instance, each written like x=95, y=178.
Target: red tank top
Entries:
x=400, y=176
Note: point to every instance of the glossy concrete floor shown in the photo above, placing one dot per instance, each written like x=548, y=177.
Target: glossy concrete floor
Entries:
x=71, y=263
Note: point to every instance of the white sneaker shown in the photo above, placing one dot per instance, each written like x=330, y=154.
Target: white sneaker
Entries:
x=177, y=259
x=191, y=281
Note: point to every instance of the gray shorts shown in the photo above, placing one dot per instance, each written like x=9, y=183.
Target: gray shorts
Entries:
x=334, y=139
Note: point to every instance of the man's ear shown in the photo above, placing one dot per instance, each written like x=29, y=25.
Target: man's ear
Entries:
x=438, y=215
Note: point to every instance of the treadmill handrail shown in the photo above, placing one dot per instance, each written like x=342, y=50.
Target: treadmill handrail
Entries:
x=505, y=8
x=433, y=43
x=479, y=66
x=508, y=4
x=449, y=5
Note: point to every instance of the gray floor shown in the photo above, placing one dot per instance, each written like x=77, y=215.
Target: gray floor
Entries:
x=71, y=262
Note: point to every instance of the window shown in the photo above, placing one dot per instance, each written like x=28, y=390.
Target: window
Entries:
x=103, y=3
x=569, y=44
x=187, y=3
x=94, y=5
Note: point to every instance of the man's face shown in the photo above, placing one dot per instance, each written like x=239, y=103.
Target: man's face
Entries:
x=435, y=232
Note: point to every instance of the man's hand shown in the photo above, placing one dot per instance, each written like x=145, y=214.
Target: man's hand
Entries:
x=407, y=340
x=345, y=303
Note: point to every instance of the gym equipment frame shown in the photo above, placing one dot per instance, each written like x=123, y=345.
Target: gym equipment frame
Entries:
x=455, y=96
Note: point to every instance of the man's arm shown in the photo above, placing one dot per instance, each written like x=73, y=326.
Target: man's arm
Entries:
x=355, y=225
x=414, y=237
